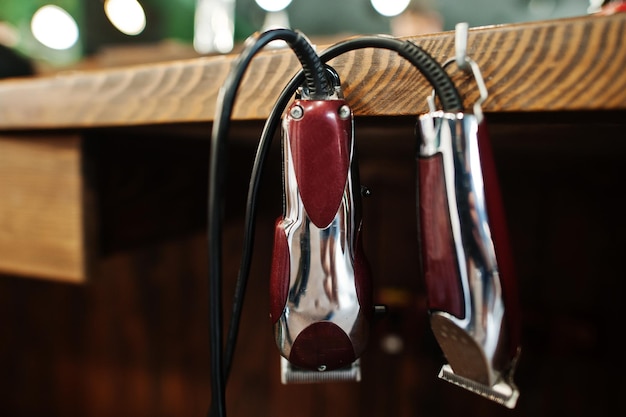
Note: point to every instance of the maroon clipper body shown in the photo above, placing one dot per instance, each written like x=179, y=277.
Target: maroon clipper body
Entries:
x=466, y=257
x=320, y=292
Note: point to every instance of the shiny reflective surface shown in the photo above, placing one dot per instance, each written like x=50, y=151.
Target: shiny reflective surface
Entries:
x=322, y=281
x=475, y=345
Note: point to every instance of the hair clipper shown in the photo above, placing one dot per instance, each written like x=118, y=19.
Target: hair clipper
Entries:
x=320, y=288
x=466, y=258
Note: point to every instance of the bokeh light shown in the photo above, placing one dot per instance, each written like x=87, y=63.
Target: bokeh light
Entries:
x=54, y=27
x=390, y=7
x=273, y=5
x=127, y=16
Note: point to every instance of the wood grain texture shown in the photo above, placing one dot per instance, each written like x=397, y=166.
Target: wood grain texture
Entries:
x=41, y=207
x=557, y=65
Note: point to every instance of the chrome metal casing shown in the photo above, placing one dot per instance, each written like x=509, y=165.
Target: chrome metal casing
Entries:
x=320, y=284
x=475, y=338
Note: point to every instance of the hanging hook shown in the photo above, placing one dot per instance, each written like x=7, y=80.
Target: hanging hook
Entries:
x=460, y=45
x=466, y=64
x=482, y=89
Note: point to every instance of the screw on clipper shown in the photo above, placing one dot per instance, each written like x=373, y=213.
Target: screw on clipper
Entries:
x=296, y=112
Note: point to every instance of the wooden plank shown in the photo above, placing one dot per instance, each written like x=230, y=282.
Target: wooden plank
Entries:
x=557, y=65
x=41, y=207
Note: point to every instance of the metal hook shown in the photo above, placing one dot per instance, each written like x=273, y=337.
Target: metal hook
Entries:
x=466, y=64
x=460, y=45
x=482, y=89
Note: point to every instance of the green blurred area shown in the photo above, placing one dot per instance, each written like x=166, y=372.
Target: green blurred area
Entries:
x=18, y=14
x=174, y=20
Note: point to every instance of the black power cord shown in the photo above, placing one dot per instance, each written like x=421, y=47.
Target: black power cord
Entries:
x=420, y=59
x=430, y=69
x=315, y=78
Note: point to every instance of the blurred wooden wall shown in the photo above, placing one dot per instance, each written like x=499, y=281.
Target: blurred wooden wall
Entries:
x=133, y=341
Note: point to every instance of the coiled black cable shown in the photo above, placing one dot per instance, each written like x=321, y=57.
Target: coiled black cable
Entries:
x=315, y=78
x=435, y=74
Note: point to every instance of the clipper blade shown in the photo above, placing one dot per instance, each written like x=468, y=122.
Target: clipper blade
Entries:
x=502, y=392
x=291, y=374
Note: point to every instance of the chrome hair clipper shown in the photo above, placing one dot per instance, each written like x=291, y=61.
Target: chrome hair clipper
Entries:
x=467, y=262
x=320, y=289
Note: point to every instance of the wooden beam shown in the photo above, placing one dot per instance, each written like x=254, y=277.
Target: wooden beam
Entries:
x=42, y=231
x=573, y=64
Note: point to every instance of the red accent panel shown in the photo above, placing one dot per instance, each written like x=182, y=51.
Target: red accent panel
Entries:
x=322, y=343
x=439, y=259
x=500, y=236
x=320, y=148
x=279, y=277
